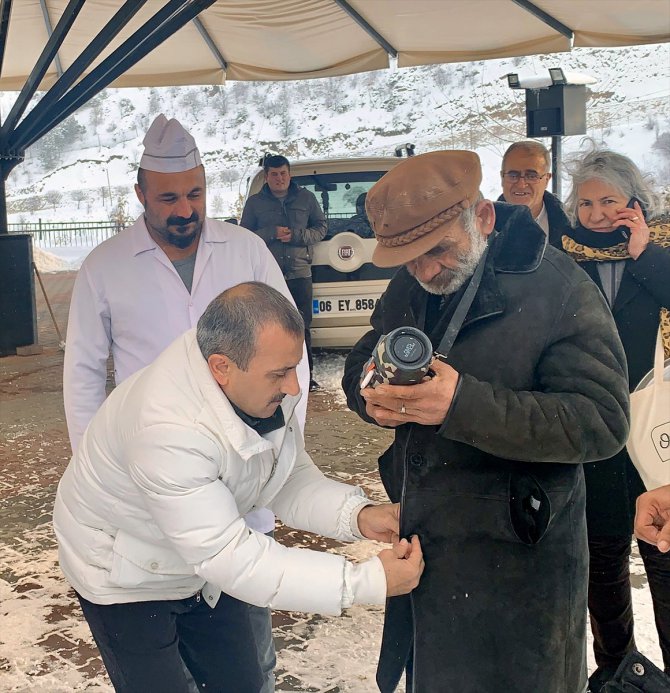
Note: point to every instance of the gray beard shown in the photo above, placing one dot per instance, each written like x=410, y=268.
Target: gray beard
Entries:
x=450, y=281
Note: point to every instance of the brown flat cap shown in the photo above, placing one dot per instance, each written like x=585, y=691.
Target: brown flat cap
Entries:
x=413, y=204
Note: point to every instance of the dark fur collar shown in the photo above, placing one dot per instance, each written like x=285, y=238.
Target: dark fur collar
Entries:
x=519, y=243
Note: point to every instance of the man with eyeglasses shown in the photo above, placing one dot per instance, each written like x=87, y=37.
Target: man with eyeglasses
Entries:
x=525, y=176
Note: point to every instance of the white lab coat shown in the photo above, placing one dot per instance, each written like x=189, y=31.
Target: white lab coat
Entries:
x=150, y=505
x=129, y=297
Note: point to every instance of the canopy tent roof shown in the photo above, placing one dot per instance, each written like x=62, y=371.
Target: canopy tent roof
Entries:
x=298, y=39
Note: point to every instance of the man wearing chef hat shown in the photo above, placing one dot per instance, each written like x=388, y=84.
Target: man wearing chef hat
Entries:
x=139, y=290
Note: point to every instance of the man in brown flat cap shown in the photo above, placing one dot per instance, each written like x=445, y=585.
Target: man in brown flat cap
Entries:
x=486, y=461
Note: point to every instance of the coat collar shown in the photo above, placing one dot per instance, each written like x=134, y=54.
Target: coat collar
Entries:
x=141, y=241
x=556, y=216
x=212, y=233
x=628, y=289
x=293, y=190
x=520, y=243
x=518, y=246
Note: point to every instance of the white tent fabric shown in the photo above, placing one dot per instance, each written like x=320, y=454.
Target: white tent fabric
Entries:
x=298, y=39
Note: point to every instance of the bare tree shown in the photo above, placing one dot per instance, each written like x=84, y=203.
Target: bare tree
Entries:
x=119, y=214
x=154, y=101
x=662, y=144
x=78, y=196
x=217, y=205
x=54, y=197
x=33, y=204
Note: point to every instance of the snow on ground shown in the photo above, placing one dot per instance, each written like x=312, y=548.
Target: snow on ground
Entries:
x=45, y=647
x=48, y=261
x=328, y=370
x=60, y=258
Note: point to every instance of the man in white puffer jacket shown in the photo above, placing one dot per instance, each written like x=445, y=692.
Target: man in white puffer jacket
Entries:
x=149, y=511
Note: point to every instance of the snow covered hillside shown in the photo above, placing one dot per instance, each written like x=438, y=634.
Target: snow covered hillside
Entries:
x=86, y=167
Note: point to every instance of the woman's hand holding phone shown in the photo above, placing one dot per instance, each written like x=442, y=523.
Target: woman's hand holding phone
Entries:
x=633, y=227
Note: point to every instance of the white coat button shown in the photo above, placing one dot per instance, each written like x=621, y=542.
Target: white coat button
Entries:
x=154, y=565
x=210, y=598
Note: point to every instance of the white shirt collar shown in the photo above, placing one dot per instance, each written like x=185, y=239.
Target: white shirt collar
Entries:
x=542, y=219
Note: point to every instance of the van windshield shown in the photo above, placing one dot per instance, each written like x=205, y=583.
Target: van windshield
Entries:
x=342, y=198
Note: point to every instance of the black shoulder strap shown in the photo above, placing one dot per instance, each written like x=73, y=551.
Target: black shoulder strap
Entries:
x=454, y=326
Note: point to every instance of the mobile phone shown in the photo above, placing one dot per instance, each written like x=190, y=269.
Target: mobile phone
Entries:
x=624, y=230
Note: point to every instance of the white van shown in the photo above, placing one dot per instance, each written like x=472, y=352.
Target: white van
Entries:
x=347, y=285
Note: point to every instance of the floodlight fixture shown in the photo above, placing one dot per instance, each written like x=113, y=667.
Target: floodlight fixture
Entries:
x=557, y=75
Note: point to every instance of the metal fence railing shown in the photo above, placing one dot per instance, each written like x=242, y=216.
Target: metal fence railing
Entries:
x=73, y=233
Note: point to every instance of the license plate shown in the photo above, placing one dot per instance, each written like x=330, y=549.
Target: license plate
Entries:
x=344, y=304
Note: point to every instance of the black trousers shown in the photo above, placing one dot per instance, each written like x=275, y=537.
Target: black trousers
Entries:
x=144, y=645
x=610, y=600
x=301, y=290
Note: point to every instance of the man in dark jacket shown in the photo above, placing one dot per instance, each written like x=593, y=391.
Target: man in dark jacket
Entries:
x=289, y=219
x=525, y=175
x=487, y=455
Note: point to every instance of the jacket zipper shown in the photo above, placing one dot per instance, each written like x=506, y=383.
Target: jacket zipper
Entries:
x=284, y=255
x=275, y=458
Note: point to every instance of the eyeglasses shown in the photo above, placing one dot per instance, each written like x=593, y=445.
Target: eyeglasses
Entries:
x=529, y=176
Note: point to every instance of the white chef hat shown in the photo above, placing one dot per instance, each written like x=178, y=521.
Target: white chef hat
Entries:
x=168, y=148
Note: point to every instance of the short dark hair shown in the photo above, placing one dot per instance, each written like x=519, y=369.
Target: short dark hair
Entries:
x=231, y=322
x=275, y=161
x=142, y=180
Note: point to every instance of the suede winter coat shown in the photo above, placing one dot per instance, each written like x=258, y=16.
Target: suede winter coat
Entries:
x=301, y=212
x=496, y=493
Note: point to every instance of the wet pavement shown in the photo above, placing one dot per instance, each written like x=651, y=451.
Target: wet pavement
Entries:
x=45, y=644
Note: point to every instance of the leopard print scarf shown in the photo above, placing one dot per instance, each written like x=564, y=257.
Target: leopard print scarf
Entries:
x=659, y=234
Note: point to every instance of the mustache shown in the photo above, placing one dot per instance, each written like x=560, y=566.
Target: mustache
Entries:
x=180, y=221
x=278, y=399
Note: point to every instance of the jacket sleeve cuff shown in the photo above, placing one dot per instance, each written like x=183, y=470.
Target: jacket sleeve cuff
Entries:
x=364, y=583
x=353, y=523
x=348, y=521
x=452, y=406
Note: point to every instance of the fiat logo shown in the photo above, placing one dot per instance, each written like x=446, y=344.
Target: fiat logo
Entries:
x=346, y=252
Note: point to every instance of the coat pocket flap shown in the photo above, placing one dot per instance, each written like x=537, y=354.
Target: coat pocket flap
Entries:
x=151, y=558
